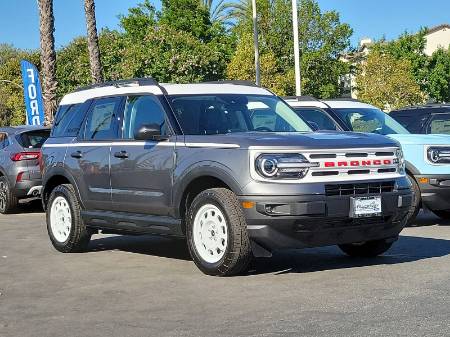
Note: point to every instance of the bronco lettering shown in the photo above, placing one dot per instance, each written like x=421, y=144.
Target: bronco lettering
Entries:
x=353, y=163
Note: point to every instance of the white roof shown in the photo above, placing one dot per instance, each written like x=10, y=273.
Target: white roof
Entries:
x=214, y=88
x=172, y=89
x=329, y=103
x=347, y=104
x=312, y=103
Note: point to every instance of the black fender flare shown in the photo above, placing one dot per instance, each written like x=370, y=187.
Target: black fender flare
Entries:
x=58, y=171
x=202, y=169
x=411, y=168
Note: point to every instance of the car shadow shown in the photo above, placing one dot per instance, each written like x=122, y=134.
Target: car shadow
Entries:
x=143, y=244
x=406, y=249
x=428, y=218
x=29, y=206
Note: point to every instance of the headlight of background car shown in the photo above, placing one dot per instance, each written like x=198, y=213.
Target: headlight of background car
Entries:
x=400, y=161
x=283, y=166
x=438, y=154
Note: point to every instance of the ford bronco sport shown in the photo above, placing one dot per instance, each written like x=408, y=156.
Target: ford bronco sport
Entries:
x=227, y=165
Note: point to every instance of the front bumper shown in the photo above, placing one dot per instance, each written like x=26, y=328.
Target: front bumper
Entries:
x=435, y=191
x=320, y=220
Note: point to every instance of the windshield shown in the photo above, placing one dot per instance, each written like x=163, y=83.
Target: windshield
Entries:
x=228, y=113
x=370, y=120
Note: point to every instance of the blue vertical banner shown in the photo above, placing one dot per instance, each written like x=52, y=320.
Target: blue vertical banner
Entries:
x=32, y=93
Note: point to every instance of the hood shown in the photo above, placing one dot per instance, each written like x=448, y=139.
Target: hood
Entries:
x=421, y=139
x=309, y=140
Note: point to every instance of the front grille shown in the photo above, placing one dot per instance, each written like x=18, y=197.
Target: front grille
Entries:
x=359, y=189
x=320, y=224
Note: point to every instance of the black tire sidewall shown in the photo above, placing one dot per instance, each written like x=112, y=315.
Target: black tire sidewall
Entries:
x=9, y=197
x=68, y=195
x=236, y=256
x=415, y=205
x=195, y=207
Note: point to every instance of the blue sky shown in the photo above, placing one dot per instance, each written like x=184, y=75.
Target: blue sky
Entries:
x=369, y=18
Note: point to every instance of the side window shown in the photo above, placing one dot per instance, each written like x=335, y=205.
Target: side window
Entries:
x=68, y=121
x=3, y=140
x=439, y=123
x=102, y=122
x=317, y=118
x=142, y=110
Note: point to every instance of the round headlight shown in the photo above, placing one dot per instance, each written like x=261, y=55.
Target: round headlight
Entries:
x=269, y=167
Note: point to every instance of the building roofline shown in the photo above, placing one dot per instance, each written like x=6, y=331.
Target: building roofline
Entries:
x=437, y=28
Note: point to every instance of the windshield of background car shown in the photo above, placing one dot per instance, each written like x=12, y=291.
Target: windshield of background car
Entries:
x=440, y=123
x=369, y=120
x=227, y=113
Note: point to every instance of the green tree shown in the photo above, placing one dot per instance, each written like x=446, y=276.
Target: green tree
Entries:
x=322, y=39
x=439, y=75
x=410, y=47
x=387, y=83
x=12, y=106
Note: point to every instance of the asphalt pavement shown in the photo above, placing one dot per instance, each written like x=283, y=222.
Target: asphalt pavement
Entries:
x=147, y=286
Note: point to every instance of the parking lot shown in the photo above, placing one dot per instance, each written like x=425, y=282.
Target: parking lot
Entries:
x=144, y=286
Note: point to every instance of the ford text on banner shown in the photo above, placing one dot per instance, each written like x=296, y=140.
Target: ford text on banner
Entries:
x=32, y=93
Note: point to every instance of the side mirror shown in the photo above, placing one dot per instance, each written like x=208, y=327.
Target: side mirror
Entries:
x=314, y=126
x=148, y=132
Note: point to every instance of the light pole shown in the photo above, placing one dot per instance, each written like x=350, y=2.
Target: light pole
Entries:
x=256, y=43
x=298, y=89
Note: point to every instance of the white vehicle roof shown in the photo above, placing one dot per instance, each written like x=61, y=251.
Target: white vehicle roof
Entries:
x=134, y=87
x=306, y=101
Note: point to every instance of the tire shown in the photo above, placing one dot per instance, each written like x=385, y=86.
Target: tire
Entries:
x=366, y=249
x=65, y=227
x=416, y=202
x=443, y=214
x=220, y=245
x=8, y=201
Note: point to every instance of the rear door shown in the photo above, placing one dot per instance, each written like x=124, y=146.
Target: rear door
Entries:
x=88, y=155
x=141, y=171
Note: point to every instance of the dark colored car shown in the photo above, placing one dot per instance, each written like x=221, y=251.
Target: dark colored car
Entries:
x=426, y=119
x=20, y=175
x=230, y=167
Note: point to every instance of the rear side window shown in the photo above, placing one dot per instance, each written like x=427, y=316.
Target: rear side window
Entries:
x=33, y=139
x=68, y=120
x=3, y=140
x=102, y=121
x=317, y=117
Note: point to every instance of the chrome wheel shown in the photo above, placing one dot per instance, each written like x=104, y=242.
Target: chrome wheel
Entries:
x=210, y=233
x=60, y=219
x=3, y=196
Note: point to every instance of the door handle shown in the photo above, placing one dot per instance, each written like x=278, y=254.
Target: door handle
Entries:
x=76, y=155
x=121, y=154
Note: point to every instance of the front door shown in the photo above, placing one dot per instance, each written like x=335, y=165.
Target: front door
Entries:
x=141, y=171
x=89, y=155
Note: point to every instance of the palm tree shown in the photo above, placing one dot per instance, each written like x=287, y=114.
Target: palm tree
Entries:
x=94, y=50
x=218, y=12
x=48, y=57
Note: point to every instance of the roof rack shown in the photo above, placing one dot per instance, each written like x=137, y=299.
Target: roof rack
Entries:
x=139, y=81
x=429, y=105
x=342, y=99
x=236, y=82
x=301, y=98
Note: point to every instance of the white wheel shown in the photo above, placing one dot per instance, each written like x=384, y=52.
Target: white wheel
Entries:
x=60, y=219
x=210, y=233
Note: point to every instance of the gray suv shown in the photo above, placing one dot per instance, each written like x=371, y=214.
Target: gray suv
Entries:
x=20, y=175
x=229, y=166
